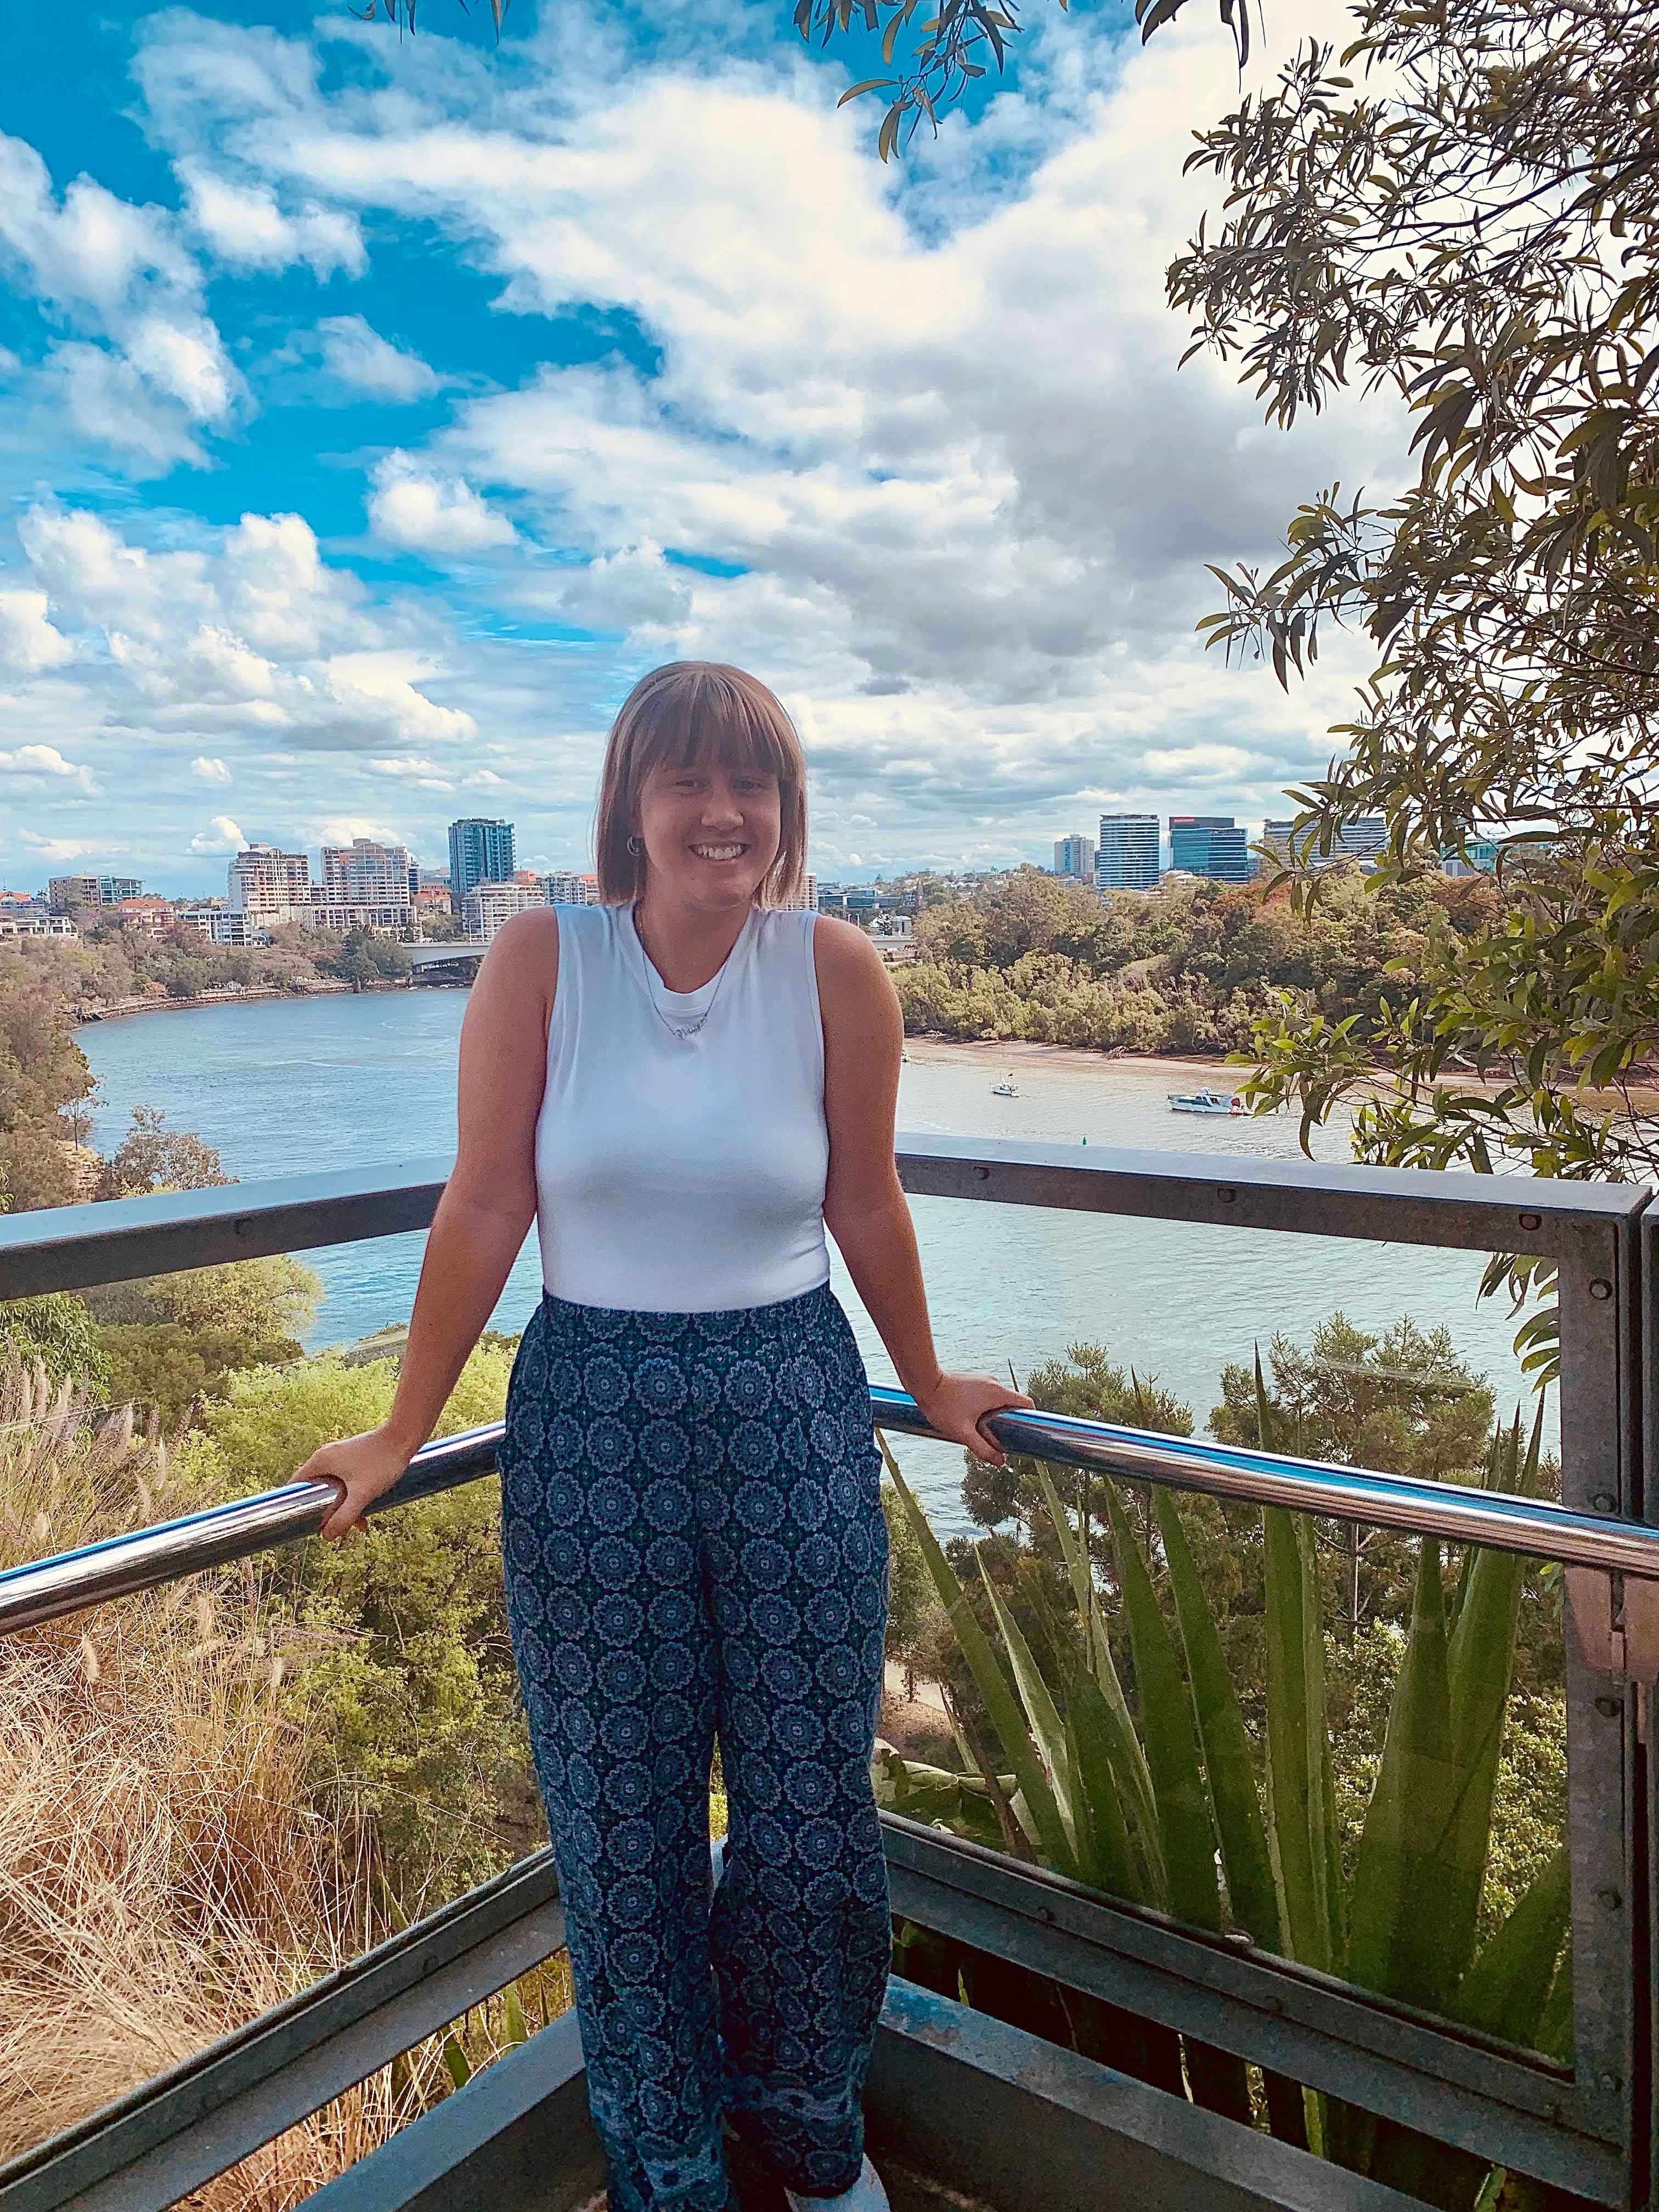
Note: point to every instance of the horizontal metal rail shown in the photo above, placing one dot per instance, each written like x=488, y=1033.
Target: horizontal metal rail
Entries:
x=1497, y=1518
x=71, y=1581
x=67, y=1248
x=68, y=1583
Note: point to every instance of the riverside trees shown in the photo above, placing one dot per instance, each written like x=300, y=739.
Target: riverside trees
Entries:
x=1189, y=968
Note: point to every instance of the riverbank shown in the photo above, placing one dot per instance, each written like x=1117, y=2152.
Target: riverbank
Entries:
x=1029, y=1059
x=232, y=995
x=1033, y=1059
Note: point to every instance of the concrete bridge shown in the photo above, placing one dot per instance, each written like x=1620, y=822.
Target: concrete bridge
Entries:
x=470, y=949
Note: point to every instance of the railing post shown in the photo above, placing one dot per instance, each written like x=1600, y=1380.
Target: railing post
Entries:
x=1599, y=1291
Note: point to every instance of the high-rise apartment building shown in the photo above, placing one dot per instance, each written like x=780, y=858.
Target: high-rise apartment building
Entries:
x=367, y=873
x=64, y=892
x=806, y=899
x=563, y=888
x=269, y=884
x=1211, y=844
x=480, y=851
x=1074, y=855
x=1126, y=858
x=489, y=905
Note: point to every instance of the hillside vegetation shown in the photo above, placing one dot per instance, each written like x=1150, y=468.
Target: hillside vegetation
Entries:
x=1184, y=969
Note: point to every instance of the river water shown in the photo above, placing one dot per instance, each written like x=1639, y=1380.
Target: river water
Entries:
x=290, y=1086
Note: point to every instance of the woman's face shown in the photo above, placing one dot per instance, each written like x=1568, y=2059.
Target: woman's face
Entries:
x=711, y=831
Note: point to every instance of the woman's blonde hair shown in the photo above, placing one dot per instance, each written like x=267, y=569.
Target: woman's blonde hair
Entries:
x=689, y=711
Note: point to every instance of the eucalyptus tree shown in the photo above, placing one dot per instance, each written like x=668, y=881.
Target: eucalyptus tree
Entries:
x=930, y=57
x=1460, y=210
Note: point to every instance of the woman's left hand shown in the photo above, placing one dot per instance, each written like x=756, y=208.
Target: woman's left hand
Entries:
x=955, y=1406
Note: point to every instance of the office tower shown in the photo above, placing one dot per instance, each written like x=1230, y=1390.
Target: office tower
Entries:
x=1074, y=855
x=1126, y=857
x=480, y=851
x=1210, y=845
x=1360, y=840
x=1364, y=838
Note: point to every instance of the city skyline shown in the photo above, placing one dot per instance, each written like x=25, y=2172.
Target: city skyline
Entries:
x=1363, y=839
x=350, y=491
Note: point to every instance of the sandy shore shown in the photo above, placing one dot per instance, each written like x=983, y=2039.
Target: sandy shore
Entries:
x=1038, y=1059
x=1062, y=1059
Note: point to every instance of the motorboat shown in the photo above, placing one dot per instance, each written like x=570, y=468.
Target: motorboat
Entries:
x=1006, y=1089
x=1204, y=1101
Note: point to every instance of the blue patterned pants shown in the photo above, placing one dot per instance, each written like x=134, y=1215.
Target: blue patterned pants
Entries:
x=692, y=1526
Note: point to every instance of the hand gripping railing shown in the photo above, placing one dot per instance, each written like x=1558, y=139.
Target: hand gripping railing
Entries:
x=1581, y=1543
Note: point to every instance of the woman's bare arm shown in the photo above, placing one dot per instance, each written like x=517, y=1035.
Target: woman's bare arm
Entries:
x=864, y=1205
x=483, y=1216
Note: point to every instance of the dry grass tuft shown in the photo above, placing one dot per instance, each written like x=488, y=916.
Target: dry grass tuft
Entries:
x=162, y=1880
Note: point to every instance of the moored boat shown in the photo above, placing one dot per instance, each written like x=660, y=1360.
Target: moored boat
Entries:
x=1204, y=1101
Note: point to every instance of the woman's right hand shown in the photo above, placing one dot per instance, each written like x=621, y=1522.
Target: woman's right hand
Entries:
x=364, y=1465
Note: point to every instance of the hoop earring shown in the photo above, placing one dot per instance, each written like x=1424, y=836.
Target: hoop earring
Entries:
x=636, y=846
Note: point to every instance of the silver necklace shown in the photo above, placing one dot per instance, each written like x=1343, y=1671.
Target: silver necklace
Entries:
x=684, y=1031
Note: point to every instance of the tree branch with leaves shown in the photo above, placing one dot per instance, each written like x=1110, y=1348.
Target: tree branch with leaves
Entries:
x=1460, y=211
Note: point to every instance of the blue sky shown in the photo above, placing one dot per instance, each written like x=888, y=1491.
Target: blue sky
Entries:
x=373, y=409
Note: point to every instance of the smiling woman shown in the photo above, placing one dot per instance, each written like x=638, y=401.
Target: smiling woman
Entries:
x=687, y=1086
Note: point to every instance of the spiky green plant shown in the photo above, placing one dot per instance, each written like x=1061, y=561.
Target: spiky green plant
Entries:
x=1161, y=1804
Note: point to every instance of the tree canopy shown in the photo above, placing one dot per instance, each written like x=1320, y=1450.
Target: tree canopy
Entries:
x=1460, y=209
x=929, y=57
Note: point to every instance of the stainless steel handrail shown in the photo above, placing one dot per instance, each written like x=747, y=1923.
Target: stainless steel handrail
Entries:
x=68, y=1583
x=1497, y=1518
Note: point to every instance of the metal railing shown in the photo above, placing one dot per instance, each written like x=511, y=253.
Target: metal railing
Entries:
x=1592, y=2132
x=70, y=1581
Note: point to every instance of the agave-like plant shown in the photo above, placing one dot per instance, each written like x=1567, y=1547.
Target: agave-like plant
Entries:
x=1161, y=1803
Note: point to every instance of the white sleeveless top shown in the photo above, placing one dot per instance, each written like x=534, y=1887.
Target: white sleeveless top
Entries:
x=681, y=1149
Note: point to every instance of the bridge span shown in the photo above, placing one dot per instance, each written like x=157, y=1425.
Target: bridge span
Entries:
x=442, y=955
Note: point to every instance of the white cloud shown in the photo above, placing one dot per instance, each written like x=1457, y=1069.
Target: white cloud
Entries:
x=380, y=686
x=915, y=446
x=210, y=769
x=355, y=352
x=909, y=441
x=59, y=848
x=220, y=836
x=249, y=631
x=44, y=760
x=185, y=360
x=425, y=775
x=29, y=643
x=144, y=366
x=103, y=396
x=88, y=250
x=242, y=226
x=430, y=514
x=340, y=830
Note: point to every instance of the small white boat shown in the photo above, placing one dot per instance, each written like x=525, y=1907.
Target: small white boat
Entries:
x=1204, y=1101
x=1006, y=1089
